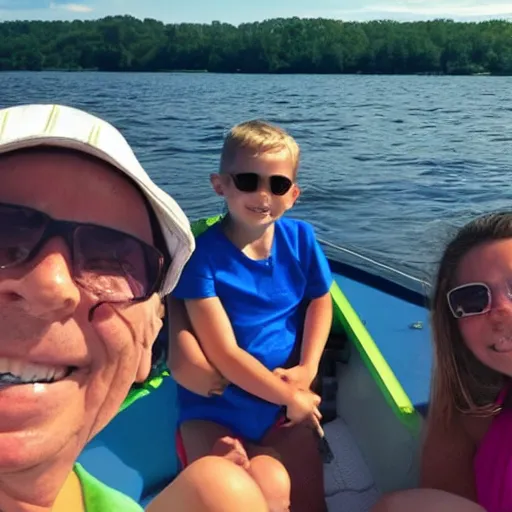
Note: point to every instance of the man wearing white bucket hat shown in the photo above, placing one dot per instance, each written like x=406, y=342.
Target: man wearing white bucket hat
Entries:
x=89, y=246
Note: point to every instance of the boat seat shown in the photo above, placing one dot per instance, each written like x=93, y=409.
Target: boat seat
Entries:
x=141, y=462
x=135, y=453
x=348, y=484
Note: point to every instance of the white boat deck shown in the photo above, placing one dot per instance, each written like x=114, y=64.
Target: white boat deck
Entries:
x=349, y=485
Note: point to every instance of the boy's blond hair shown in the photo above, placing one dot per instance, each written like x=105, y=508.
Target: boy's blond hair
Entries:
x=258, y=137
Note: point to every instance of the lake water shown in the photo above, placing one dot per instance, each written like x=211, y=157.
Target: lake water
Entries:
x=391, y=164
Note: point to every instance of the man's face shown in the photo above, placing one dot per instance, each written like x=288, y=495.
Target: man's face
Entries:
x=80, y=369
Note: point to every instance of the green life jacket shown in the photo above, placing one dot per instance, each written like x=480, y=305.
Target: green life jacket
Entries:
x=98, y=497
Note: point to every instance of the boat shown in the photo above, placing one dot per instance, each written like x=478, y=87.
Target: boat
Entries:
x=375, y=379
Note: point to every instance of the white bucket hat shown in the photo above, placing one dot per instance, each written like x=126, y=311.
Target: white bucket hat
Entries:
x=27, y=126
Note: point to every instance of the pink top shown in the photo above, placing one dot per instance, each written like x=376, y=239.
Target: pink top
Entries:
x=493, y=463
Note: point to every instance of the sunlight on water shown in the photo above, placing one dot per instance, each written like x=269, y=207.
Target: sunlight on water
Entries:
x=391, y=165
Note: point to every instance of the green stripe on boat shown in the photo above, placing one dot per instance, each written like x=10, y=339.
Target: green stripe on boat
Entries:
x=380, y=370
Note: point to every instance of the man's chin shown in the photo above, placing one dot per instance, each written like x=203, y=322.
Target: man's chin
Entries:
x=26, y=450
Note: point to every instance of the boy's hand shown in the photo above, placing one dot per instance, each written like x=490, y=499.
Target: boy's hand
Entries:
x=303, y=406
x=300, y=376
x=218, y=384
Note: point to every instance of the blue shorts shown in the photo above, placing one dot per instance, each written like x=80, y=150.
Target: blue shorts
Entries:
x=247, y=416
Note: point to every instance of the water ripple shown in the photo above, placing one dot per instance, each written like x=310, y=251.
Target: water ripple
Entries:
x=390, y=165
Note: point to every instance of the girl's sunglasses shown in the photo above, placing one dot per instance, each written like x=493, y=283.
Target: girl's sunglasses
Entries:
x=114, y=266
x=250, y=182
x=472, y=299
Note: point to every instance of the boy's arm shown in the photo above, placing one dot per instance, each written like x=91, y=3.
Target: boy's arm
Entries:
x=317, y=326
x=217, y=339
x=186, y=360
x=318, y=318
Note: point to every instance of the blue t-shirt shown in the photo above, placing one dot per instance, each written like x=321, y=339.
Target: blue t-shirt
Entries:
x=262, y=299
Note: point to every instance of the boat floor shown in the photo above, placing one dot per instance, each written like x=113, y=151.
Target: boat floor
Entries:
x=348, y=482
x=371, y=456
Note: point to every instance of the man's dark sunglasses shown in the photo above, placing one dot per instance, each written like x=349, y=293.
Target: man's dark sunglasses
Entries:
x=110, y=264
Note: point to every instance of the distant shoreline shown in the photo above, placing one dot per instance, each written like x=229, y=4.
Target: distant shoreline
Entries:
x=196, y=72
x=276, y=46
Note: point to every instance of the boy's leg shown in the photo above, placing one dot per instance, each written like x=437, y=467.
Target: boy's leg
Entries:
x=211, y=484
x=270, y=475
x=297, y=449
x=202, y=438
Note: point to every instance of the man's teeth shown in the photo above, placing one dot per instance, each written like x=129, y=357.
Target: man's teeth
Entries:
x=18, y=372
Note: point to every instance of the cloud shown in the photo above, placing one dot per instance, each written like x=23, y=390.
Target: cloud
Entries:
x=78, y=8
x=420, y=9
x=434, y=9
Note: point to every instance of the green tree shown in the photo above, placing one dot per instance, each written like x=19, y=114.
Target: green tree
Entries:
x=292, y=45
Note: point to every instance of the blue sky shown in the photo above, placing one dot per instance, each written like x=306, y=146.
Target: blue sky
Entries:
x=234, y=11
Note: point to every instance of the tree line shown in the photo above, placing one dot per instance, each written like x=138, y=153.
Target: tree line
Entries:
x=291, y=45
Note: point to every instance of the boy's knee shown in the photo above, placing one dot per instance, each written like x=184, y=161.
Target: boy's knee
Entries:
x=273, y=480
x=217, y=476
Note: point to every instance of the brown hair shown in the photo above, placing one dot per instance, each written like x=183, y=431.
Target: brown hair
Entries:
x=258, y=137
x=460, y=381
